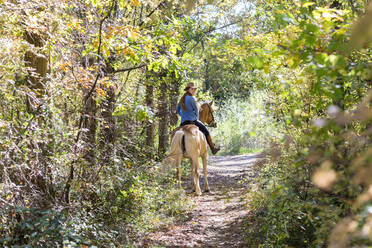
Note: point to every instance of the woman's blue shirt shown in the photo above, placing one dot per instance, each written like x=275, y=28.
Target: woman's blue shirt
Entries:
x=192, y=112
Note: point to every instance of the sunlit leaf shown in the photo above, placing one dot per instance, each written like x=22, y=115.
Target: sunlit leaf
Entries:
x=308, y=4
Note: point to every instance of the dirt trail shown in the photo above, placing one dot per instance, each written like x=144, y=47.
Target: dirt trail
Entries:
x=218, y=218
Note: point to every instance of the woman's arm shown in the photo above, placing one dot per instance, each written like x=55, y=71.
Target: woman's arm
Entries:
x=194, y=107
x=178, y=108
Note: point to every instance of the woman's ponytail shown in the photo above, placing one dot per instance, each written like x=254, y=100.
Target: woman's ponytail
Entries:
x=183, y=100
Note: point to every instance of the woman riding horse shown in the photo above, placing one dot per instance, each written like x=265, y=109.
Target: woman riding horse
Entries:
x=189, y=113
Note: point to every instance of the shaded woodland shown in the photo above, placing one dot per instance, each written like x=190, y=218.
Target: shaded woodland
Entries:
x=88, y=95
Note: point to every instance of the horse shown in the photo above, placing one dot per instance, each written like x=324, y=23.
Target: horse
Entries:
x=189, y=142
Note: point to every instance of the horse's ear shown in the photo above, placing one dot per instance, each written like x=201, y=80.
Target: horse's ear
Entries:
x=211, y=103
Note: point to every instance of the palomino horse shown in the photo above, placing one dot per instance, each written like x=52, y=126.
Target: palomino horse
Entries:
x=189, y=142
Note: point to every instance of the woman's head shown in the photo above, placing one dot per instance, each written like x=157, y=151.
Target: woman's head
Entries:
x=191, y=88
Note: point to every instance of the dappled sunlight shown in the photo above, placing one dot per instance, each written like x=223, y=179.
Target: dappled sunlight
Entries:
x=245, y=127
x=218, y=218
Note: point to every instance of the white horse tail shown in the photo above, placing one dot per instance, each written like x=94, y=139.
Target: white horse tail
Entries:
x=176, y=145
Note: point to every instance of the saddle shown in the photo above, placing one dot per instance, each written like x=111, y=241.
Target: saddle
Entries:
x=189, y=128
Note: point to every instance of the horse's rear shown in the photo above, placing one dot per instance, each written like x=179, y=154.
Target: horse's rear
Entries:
x=193, y=147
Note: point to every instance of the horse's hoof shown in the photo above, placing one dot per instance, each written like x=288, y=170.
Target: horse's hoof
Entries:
x=207, y=190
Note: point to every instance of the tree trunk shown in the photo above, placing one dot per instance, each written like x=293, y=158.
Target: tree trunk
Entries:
x=150, y=126
x=108, y=126
x=37, y=63
x=206, y=77
x=173, y=98
x=163, y=118
x=90, y=125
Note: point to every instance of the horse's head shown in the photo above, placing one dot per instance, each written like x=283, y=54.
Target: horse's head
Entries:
x=206, y=114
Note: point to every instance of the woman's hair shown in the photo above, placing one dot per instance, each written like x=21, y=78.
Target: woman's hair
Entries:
x=183, y=100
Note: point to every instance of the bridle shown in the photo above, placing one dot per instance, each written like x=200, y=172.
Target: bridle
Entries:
x=211, y=113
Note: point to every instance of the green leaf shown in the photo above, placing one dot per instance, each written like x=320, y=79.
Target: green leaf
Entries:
x=256, y=62
x=307, y=4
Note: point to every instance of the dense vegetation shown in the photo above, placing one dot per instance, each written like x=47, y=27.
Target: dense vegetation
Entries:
x=88, y=96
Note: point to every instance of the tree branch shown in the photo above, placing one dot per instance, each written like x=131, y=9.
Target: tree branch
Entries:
x=211, y=30
x=129, y=69
x=99, y=51
x=222, y=27
x=152, y=12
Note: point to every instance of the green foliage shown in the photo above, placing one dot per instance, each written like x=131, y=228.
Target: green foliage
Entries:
x=76, y=168
x=244, y=126
x=308, y=194
x=39, y=228
x=289, y=211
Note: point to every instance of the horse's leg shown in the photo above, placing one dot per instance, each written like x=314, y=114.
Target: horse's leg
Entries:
x=196, y=175
x=192, y=175
x=205, y=171
x=178, y=162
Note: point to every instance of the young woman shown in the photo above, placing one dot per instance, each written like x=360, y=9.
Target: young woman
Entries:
x=188, y=110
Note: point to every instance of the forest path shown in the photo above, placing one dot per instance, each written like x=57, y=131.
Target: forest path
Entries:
x=218, y=218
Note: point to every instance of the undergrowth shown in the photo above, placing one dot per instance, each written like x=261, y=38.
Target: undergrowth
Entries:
x=118, y=213
x=243, y=126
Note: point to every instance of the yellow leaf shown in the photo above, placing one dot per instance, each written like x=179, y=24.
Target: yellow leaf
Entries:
x=109, y=34
x=101, y=92
x=290, y=61
x=132, y=33
x=95, y=44
x=340, y=31
x=136, y=3
x=148, y=47
x=297, y=112
x=106, y=51
x=305, y=5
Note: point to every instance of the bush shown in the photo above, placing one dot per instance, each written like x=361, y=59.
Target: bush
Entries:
x=120, y=212
x=288, y=211
x=312, y=186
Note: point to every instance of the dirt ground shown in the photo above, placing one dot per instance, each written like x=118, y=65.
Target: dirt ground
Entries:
x=218, y=218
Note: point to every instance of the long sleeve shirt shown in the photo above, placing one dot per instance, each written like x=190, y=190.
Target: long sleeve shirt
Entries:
x=192, y=112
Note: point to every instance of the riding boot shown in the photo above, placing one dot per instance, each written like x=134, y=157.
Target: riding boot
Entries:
x=211, y=145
